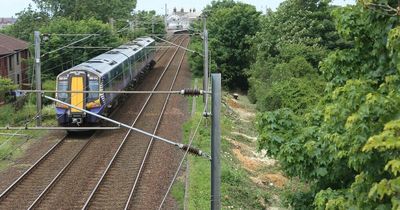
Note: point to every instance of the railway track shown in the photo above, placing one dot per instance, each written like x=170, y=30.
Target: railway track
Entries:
x=162, y=160
x=125, y=164
x=52, y=181
x=29, y=185
x=165, y=50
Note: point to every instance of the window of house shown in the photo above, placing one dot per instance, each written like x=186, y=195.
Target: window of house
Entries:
x=10, y=66
x=17, y=78
x=17, y=58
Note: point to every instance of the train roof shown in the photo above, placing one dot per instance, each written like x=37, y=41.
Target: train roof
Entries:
x=107, y=61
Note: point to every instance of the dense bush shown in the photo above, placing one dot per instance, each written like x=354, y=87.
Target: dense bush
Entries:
x=347, y=145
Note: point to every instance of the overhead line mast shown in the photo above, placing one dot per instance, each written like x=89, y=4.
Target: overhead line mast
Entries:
x=38, y=79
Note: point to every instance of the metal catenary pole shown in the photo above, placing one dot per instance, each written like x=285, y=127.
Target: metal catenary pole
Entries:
x=165, y=18
x=38, y=79
x=205, y=80
x=216, y=143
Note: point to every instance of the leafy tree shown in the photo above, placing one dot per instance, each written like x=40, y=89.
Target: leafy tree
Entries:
x=145, y=19
x=54, y=61
x=78, y=10
x=28, y=21
x=295, y=38
x=347, y=146
x=230, y=26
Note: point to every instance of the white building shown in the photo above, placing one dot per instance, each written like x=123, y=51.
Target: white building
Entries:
x=181, y=20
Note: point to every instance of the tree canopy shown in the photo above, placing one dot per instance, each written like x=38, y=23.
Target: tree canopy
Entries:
x=346, y=145
x=288, y=48
x=57, y=17
x=78, y=10
x=230, y=26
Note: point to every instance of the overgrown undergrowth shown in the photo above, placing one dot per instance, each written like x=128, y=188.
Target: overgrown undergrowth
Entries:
x=237, y=190
x=13, y=142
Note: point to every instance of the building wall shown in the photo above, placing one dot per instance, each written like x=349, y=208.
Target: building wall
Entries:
x=3, y=66
x=15, y=67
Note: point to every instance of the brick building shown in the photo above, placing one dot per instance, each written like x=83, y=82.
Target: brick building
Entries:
x=13, y=59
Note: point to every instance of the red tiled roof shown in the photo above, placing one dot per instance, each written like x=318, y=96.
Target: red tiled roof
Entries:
x=10, y=44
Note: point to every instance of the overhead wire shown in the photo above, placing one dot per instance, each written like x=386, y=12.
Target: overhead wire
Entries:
x=37, y=114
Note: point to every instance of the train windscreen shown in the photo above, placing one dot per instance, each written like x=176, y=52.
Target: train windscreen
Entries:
x=63, y=86
x=93, y=86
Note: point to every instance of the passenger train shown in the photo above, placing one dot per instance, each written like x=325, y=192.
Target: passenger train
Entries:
x=114, y=70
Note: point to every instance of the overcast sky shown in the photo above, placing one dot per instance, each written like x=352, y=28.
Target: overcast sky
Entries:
x=8, y=8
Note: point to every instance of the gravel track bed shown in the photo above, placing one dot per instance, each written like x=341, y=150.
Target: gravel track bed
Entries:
x=163, y=159
x=114, y=191
x=75, y=185
x=35, y=149
x=29, y=188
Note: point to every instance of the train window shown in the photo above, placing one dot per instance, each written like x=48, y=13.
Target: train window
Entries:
x=120, y=75
x=93, y=86
x=63, y=86
x=107, y=81
x=117, y=76
x=126, y=68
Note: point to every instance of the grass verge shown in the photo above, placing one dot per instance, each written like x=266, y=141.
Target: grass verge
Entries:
x=14, y=142
x=237, y=189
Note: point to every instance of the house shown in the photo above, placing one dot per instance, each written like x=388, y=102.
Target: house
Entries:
x=6, y=22
x=13, y=59
x=181, y=20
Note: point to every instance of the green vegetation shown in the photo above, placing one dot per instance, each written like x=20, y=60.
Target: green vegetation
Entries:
x=54, y=63
x=230, y=25
x=237, y=190
x=58, y=20
x=345, y=145
x=12, y=146
x=79, y=10
x=326, y=83
x=5, y=86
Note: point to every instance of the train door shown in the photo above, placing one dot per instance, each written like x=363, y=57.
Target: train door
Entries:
x=77, y=99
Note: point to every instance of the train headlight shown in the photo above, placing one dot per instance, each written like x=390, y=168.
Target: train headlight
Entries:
x=94, y=104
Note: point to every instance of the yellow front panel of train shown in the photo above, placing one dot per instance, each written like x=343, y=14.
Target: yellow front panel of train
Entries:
x=77, y=98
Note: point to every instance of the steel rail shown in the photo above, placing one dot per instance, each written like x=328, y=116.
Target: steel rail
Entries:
x=173, y=44
x=59, y=175
x=127, y=204
x=112, y=161
x=192, y=136
x=36, y=164
x=165, y=51
x=31, y=169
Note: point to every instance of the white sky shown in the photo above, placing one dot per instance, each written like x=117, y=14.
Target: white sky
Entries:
x=8, y=8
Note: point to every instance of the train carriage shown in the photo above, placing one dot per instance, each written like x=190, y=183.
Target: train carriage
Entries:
x=110, y=71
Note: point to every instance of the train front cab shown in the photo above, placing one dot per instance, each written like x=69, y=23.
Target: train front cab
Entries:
x=78, y=81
